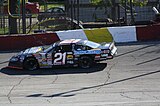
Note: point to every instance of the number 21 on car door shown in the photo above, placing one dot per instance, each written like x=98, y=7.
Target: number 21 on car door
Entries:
x=59, y=58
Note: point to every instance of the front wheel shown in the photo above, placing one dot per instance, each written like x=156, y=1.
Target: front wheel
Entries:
x=85, y=62
x=30, y=64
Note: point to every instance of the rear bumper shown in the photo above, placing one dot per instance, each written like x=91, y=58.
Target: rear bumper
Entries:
x=114, y=51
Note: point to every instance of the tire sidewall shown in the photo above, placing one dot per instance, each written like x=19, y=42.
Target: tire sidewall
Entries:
x=27, y=62
x=84, y=59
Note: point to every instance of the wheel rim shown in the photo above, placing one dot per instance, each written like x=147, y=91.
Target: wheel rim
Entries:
x=31, y=64
x=85, y=62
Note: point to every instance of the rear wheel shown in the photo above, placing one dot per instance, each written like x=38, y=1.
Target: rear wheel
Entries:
x=30, y=64
x=85, y=62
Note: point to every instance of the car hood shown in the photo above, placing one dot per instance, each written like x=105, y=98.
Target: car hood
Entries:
x=32, y=50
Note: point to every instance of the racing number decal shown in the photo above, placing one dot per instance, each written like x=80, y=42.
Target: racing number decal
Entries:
x=60, y=58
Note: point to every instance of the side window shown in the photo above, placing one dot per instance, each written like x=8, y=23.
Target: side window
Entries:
x=58, y=49
x=52, y=50
x=79, y=47
x=66, y=48
x=88, y=48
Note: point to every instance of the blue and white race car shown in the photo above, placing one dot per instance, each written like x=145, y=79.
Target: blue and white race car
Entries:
x=71, y=52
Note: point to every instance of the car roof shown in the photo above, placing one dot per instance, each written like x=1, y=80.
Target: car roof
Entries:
x=70, y=41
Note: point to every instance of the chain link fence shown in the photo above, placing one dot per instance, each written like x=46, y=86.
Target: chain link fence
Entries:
x=72, y=14
x=123, y=12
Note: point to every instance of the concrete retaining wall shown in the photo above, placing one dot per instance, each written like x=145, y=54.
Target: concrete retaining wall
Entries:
x=123, y=34
x=118, y=34
x=148, y=33
x=19, y=42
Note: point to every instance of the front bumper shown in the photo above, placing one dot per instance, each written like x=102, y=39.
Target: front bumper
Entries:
x=15, y=64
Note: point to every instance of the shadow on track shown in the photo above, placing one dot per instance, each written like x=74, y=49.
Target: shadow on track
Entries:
x=135, y=50
x=73, y=92
x=148, y=61
x=55, y=71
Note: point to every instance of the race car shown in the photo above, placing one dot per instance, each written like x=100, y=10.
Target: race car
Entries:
x=70, y=52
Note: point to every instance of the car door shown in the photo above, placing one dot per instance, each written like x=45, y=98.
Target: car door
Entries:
x=45, y=58
x=63, y=55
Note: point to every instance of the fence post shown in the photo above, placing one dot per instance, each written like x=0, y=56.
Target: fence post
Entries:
x=78, y=11
x=24, y=16
x=132, y=17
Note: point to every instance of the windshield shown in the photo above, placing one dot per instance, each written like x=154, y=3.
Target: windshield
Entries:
x=91, y=44
x=48, y=48
x=32, y=50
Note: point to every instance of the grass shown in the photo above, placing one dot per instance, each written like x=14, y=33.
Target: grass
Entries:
x=42, y=7
x=4, y=31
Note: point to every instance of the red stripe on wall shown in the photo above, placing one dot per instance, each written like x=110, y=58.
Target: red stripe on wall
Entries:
x=20, y=42
x=148, y=33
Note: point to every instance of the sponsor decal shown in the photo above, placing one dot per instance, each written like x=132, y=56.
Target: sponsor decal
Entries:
x=105, y=51
x=22, y=58
x=75, y=58
x=97, y=57
x=70, y=62
x=43, y=64
x=88, y=52
x=69, y=53
x=104, y=55
x=38, y=56
x=58, y=63
x=29, y=55
x=59, y=58
x=69, y=56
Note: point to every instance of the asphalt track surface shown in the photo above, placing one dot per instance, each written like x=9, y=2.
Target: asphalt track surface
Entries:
x=132, y=78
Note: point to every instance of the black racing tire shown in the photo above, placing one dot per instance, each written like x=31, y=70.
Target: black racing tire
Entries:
x=85, y=62
x=30, y=64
